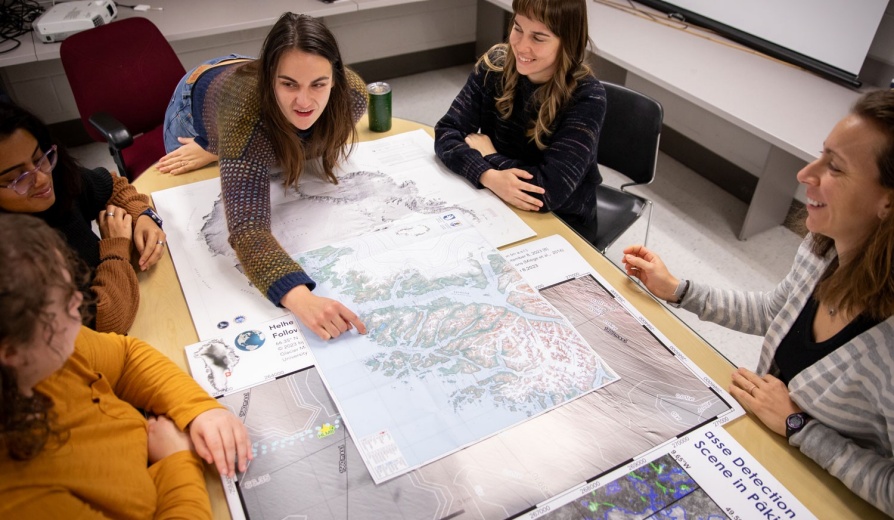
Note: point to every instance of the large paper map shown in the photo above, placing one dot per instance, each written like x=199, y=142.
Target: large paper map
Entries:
x=459, y=347
x=382, y=182
x=301, y=442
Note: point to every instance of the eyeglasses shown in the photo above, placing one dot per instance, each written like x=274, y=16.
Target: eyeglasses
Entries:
x=23, y=182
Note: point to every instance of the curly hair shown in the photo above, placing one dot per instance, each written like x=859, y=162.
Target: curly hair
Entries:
x=567, y=19
x=35, y=258
x=334, y=132
x=867, y=281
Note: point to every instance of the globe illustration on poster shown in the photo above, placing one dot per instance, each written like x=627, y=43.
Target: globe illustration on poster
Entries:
x=250, y=340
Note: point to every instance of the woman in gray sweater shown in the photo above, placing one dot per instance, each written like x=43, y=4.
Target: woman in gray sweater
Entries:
x=824, y=375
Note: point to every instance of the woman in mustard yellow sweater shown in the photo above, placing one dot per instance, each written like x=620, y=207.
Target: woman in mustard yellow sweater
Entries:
x=72, y=443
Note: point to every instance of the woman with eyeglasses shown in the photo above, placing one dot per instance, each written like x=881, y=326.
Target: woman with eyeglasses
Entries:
x=39, y=177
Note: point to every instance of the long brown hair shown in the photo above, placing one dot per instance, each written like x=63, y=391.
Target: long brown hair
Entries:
x=567, y=19
x=867, y=280
x=335, y=128
x=33, y=256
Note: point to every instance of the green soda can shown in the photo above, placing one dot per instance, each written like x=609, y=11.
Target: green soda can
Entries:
x=379, y=106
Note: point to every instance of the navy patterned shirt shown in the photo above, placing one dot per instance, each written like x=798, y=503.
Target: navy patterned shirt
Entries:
x=566, y=169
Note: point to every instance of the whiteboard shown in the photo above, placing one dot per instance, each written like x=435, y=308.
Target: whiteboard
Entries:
x=836, y=32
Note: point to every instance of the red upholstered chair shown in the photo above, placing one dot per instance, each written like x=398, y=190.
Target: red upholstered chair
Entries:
x=122, y=75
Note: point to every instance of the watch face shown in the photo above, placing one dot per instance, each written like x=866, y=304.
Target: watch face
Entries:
x=795, y=421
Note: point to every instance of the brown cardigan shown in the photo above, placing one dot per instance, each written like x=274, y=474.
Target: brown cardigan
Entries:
x=115, y=281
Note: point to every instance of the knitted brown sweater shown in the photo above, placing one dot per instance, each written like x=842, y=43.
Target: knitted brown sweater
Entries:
x=115, y=282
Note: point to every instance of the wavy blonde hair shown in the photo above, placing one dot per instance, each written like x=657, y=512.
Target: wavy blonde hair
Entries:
x=567, y=19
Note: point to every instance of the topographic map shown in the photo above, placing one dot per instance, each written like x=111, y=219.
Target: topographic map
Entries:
x=660, y=396
x=382, y=182
x=459, y=347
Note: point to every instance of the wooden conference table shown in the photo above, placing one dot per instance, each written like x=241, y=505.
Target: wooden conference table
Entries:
x=163, y=321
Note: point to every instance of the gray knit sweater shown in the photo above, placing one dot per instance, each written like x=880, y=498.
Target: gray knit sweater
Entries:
x=849, y=393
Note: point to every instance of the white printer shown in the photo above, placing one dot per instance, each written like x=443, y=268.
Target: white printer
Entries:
x=66, y=18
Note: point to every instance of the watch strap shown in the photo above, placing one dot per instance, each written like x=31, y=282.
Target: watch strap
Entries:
x=154, y=216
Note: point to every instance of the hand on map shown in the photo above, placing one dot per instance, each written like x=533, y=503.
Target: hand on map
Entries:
x=220, y=438
x=185, y=159
x=325, y=317
x=510, y=186
x=650, y=269
x=149, y=240
x=767, y=397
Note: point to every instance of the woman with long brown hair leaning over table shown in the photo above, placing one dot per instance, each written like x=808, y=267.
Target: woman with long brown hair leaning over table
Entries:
x=297, y=101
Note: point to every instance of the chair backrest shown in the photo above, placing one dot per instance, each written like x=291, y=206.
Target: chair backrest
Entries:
x=630, y=133
x=126, y=68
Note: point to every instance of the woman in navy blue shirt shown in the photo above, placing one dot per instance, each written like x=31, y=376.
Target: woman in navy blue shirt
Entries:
x=526, y=124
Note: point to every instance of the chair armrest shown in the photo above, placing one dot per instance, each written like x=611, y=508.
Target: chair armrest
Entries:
x=624, y=187
x=113, y=130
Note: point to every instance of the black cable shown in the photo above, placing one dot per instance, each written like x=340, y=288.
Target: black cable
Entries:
x=16, y=17
x=145, y=7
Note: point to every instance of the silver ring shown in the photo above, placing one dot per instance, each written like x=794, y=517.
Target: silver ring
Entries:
x=182, y=163
x=161, y=242
x=110, y=213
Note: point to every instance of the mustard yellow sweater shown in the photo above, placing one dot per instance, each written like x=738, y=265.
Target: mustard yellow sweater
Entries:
x=101, y=469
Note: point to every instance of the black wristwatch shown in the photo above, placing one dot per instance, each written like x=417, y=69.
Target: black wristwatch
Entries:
x=154, y=216
x=795, y=423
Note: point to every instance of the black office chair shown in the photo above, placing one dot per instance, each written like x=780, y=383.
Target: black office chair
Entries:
x=629, y=145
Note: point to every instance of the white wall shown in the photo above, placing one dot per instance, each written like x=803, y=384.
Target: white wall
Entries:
x=392, y=31
x=732, y=143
